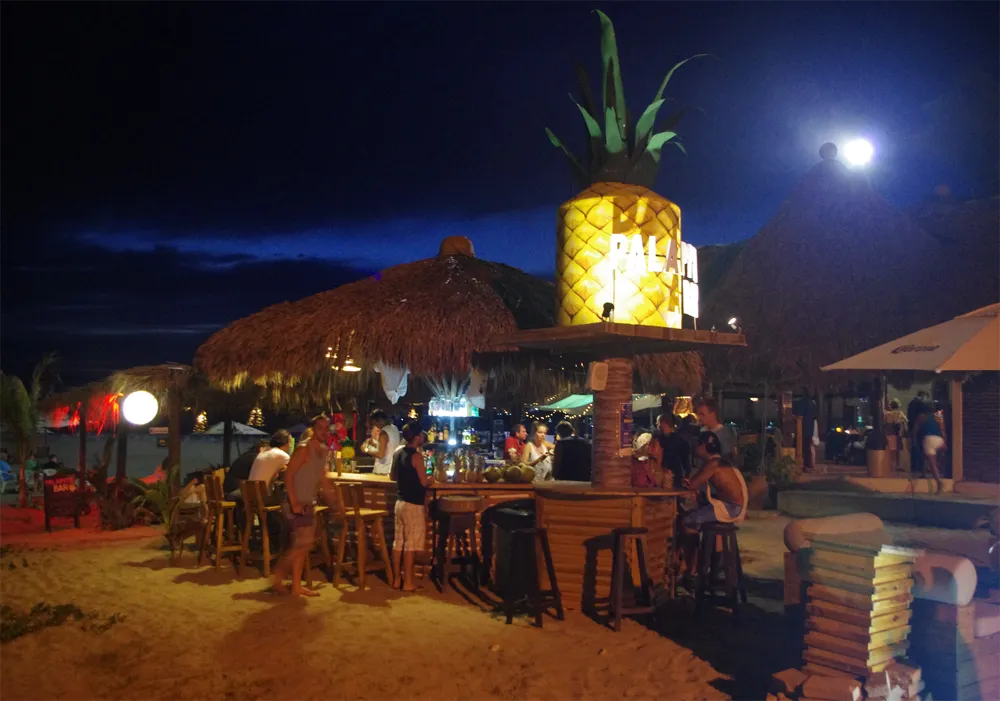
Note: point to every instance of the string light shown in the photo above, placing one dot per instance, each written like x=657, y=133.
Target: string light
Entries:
x=201, y=422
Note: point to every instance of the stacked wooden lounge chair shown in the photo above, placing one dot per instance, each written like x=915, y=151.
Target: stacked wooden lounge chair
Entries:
x=857, y=616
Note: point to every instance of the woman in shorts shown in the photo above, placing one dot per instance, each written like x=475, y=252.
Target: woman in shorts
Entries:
x=412, y=481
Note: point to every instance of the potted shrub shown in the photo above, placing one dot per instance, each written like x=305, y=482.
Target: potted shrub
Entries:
x=780, y=474
x=752, y=460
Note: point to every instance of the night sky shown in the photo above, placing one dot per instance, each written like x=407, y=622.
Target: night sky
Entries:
x=168, y=168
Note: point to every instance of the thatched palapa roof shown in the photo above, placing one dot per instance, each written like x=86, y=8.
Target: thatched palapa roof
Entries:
x=835, y=271
x=432, y=316
x=838, y=270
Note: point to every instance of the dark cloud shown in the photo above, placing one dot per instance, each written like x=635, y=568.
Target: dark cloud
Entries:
x=102, y=310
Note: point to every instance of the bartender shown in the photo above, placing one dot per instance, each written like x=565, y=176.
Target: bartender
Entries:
x=514, y=445
x=383, y=443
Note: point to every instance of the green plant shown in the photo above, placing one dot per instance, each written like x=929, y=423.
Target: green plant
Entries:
x=781, y=472
x=157, y=501
x=621, y=151
x=751, y=459
x=20, y=415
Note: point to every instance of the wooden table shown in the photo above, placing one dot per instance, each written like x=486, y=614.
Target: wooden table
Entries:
x=579, y=519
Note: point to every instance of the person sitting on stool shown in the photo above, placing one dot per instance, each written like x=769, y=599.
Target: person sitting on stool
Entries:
x=727, y=506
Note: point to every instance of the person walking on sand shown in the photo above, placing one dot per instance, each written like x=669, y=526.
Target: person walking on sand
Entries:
x=412, y=481
x=303, y=480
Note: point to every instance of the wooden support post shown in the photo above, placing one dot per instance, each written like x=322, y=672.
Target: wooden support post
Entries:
x=610, y=467
x=956, y=431
x=121, y=467
x=81, y=462
x=174, y=432
x=227, y=441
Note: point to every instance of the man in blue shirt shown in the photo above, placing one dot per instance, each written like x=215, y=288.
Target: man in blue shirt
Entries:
x=6, y=472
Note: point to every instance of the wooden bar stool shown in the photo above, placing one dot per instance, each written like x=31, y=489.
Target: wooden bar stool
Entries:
x=321, y=544
x=347, y=511
x=257, y=513
x=709, y=556
x=221, y=517
x=455, y=517
x=641, y=604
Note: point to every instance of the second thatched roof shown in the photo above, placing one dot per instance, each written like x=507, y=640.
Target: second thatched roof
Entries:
x=433, y=317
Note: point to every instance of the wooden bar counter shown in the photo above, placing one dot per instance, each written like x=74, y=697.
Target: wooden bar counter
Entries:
x=579, y=518
x=380, y=493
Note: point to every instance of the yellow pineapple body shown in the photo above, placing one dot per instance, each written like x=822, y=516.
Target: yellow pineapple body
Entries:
x=586, y=278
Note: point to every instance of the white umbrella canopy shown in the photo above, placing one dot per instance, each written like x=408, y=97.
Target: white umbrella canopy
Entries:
x=238, y=430
x=967, y=343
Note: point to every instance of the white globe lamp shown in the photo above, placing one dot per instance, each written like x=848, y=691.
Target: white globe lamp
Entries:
x=859, y=152
x=140, y=408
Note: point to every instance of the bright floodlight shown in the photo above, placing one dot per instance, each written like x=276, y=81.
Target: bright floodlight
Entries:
x=140, y=408
x=859, y=152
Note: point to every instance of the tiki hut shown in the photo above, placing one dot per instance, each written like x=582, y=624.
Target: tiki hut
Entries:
x=432, y=317
x=835, y=271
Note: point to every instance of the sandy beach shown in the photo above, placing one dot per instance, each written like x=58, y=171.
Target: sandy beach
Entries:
x=194, y=633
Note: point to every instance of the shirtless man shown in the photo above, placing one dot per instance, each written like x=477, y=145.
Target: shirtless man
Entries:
x=728, y=489
x=304, y=478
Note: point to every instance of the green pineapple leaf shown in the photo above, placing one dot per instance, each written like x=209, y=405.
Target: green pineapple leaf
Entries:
x=644, y=128
x=593, y=128
x=613, y=140
x=579, y=174
x=614, y=93
x=670, y=74
x=589, y=104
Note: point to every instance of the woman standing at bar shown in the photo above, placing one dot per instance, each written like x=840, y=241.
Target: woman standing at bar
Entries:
x=537, y=453
x=412, y=481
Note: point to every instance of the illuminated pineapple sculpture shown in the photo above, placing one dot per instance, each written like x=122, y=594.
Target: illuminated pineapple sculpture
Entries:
x=618, y=241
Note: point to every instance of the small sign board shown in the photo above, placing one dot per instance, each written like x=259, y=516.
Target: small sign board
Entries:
x=625, y=429
x=159, y=430
x=498, y=430
x=62, y=498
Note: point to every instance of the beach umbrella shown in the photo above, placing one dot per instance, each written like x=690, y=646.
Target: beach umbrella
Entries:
x=967, y=343
x=432, y=318
x=238, y=429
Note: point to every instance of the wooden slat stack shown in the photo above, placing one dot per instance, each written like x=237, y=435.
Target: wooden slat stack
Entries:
x=857, y=605
x=960, y=659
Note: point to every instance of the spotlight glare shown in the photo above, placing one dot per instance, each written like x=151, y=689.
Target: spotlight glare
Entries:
x=859, y=152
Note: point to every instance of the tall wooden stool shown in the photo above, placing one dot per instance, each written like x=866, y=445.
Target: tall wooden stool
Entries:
x=257, y=512
x=347, y=511
x=708, y=561
x=221, y=517
x=320, y=544
x=455, y=517
x=523, y=584
x=642, y=601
